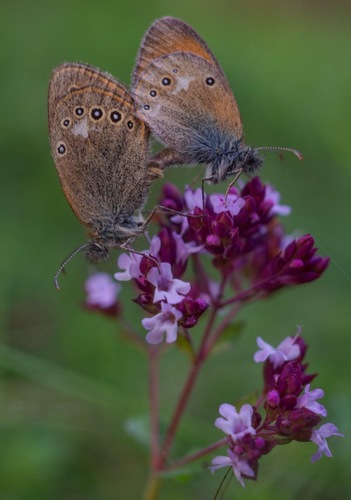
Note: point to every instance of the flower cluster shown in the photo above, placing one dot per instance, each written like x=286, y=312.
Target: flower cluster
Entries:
x=242, y=234
x=291, y=411
x=170, y=300
x=245, y=237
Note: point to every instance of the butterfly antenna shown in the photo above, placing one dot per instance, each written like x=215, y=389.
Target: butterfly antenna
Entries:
x=278, y=148
x=65, y=262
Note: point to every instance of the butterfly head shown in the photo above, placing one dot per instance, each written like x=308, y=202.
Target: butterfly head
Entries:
x=112, y=232
x=231, y=158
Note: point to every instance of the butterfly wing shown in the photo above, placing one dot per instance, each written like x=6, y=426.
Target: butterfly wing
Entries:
x=168, y=35
x=183, y=94
x=99, y=146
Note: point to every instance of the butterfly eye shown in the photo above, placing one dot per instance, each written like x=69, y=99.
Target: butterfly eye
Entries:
x=146, y=107
x=174, y=70
x=153, y=93
x=166, y=81
x=96, y=114
x=66, y=122
x=61, y=149
x=115, y=116
x=79, y=111
x=130, y=124
x=210, y=81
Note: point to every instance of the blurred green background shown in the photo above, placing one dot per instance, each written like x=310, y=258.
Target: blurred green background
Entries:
x=68, y=383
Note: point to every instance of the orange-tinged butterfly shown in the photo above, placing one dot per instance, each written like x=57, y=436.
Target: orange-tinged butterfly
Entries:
x=185, y=98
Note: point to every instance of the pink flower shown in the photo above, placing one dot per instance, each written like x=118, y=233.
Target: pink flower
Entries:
x=130, y=263
x=232, y=204
x=240, y=466
x=192, y=199
x=184, y=249
x=235, y=424
x=287, y=350
x=319, y=438
x=101, y=290
x=308, y=400
x=273, y=196
x=164, y=322
x=166, y=287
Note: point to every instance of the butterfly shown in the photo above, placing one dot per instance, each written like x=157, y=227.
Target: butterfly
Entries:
x=183, y=95
x=101, y=152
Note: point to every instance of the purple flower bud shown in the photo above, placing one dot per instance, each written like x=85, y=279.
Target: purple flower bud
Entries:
x=260, y=443
x=295, y=265
x=191, y=310
x=298, y=423
x=290, y=380
x=171, y=197
x=214, y=244
x=273, y=399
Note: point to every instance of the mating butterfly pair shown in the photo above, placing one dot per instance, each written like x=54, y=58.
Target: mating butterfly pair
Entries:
x=99, y=131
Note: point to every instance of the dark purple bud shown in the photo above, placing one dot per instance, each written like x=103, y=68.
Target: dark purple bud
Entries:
x=288, y=402
x=191, y=310
x=295, y=265
x=167, y=252
x=214, y=244
x=171, y=197
x=145, y=301
x=290, y=380
x=260, y=443
x=297, y=423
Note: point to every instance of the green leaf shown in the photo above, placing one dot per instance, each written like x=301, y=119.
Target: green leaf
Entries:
x=139, y=428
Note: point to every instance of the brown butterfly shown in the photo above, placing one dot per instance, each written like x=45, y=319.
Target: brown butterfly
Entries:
x=185, y=98
x=101, y=152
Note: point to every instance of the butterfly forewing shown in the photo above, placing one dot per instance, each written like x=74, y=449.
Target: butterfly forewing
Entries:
x=183, y=94
x=184, y=100
x=166, y=36
x=100, y=148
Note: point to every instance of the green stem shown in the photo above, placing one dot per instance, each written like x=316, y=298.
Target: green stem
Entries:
x=152, y=488
x=154, y=405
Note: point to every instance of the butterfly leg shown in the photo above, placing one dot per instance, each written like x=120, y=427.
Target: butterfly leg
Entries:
x=238, y=174
x=206, y=179
x=166, y=158
x=126, y=246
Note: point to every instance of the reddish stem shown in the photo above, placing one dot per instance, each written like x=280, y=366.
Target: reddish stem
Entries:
x=205, y=347
x=184, y=396
x=245, y=294
x=194, y=456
